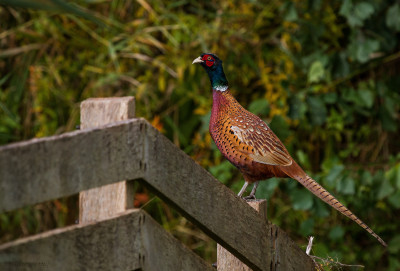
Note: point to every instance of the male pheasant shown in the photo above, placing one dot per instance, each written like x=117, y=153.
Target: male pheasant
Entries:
x=249, y=144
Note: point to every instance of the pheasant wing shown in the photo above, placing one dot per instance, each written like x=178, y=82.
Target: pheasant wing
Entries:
x=266, y=146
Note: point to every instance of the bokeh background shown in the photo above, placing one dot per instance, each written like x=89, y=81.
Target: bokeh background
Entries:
x=323, y=74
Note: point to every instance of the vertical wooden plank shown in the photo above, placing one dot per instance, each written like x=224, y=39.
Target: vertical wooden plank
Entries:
x=225, y=260
x=103, y=202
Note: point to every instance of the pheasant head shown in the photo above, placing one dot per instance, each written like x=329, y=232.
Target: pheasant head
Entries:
x=213, y=66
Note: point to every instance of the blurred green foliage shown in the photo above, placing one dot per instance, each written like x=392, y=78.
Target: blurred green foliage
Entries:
x=323, y=74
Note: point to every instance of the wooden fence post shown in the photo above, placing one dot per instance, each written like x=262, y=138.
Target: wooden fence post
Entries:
x=225, y=260
x=103, y=202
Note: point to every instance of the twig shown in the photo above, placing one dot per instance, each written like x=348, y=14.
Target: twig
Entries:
x=329, y=262
x=333, y=263
x=309, y=246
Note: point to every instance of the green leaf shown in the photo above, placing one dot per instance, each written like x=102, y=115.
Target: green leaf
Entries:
x=280, y=127
x=394, y=264
x=363, y=10
x=171, y=124
x=297, y=108
x=318, y=110
x=366, y=178
x=5, y=78
x=321, y=209
x=354, y=21
x=393, y=174
x=205, y=122
x=302, y=199
x=395, y=199
x=341, y=67
x=334, y=174
x=330, y=98
x=366, y=97
x=385, y=190
x=336, y=233
x=291, y=14
x=303, y=159
x=346, y=186
x=259, y=107
x=55, y=5
x=267, y=188
x=394, y=245
x=365, y=49
x=397, y=176
x=316, y=72
x=223, y=171
x=350, y=95
x=387, y=119
x=356, y=14
x=345, y=8
x=393, y=17
x=307, y=227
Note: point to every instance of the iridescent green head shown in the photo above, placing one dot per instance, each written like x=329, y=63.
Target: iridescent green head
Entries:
x=213, y=66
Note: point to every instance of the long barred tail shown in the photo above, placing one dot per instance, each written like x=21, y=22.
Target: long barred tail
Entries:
x=321, y=192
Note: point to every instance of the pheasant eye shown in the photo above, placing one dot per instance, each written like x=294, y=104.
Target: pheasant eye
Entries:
x=209, y=60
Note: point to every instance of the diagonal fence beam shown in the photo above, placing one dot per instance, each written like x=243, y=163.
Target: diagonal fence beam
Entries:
x=47, y=168
x=208, y=204
x=130, y=241
x=44, y=169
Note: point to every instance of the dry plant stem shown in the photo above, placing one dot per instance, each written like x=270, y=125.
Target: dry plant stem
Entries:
x=309, y=246
x=327, y=262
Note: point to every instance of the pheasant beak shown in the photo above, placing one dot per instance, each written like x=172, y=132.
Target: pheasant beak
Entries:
x=197, y=60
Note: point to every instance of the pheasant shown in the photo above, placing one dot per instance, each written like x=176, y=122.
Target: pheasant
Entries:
x=250, y=145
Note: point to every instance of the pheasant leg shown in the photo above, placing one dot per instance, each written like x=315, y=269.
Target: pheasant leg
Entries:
x=243, y=189
x=253, y=192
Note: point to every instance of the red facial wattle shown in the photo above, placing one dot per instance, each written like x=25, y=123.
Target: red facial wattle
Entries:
x=209, y=60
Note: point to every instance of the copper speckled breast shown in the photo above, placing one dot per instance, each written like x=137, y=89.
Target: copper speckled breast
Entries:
x=230, y=127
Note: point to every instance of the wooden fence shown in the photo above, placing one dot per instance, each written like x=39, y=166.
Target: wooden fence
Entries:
x=100, y=161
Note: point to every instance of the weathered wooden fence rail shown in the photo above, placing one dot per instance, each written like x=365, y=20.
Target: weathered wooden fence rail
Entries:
x=48, y=168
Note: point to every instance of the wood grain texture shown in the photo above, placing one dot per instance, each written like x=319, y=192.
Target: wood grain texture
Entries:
x=129, y=241
x=286, y=254
x=105, y=201
x=43, y=169
x=96, y=112
x=211, y=206
x=102, y=202
x=162, y=251
x=225, y=260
